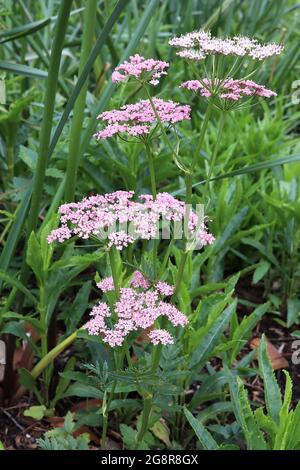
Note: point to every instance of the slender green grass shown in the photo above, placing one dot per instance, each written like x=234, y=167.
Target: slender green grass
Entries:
x=79, y=106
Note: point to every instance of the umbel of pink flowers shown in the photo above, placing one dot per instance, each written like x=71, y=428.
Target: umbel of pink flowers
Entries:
x=110, y=213
x=138, y=118
x=149, y=70
x=228, y=89
x=137, y=309
x=198, y=45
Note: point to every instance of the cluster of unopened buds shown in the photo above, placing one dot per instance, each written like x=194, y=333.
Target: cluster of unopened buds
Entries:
x=137, y=308
x=110, y=214
x=198, y=45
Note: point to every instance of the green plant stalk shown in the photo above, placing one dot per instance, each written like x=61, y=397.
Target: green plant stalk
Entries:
x=119, y=361
x=44, y=340
x=78, y=113
x=145, y=418
x=214, y=156
x=48, y=359
x=157, y=350
x=163, y=130
x=202, y=132
x=105, y=415
x=154, y=194
x=148, y=399
x=189, y=189
x=114, y=269
x=151, y=169
x=51, y=355
x=10, y=161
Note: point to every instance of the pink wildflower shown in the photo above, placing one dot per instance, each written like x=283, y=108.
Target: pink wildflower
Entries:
x=140, y=68
x=60, y=234
x=106, y=285
x=228, y=89
x=135, y=310
x=164, y=288
x=136, y=119
x=120, y=240
x=138, y=280
x=198, y=45
x=160, y=336
x=120, y=219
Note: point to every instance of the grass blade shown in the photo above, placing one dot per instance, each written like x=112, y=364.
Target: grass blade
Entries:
x=21, y=69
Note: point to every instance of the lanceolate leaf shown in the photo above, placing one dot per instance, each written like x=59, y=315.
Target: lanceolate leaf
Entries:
x=204, y=350
x=243, y=331
x=271, y=387
x=204, y=436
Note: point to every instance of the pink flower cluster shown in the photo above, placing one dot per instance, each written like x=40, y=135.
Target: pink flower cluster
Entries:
x=119, y=218
x=160, y=336
x=135, y=310
x=198, y=45
x=136, y=119
x=106, y=285
x=140, y=68
x=138, y=281
x=228, y=89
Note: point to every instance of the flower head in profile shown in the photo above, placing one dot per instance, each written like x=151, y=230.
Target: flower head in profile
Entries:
x=137, y=119
x=119, y=219
x=147, y=70
x=198, y=45
x=137, y=309
x=228, y=89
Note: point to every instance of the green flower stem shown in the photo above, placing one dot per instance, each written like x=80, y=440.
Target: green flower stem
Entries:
x=163, y=130
x=10, y=161
x=48, y=359
x=78, y=113
x=51, y=355
x=154, y=194
x=151, y=168
x=202, y=132
x=214, y=155
x=148, y=398
x=105, y=413
x=189, y=189
x=180, y=272
x=114, y=269
x=119, y=358
x=44, y=340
